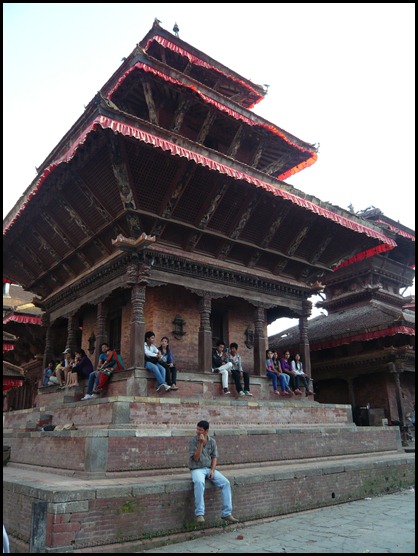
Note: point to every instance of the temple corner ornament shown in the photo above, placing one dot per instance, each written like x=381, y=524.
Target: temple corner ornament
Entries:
x=131, y=245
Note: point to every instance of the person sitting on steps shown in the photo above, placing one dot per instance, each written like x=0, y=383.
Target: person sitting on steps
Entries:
x=203, y=457
x=277, y=376
x=152, y=356
x=167, y=362
x=301, y=377
x=237, y=371
x=221, y=365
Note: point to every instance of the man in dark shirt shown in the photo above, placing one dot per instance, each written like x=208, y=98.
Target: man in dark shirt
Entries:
x=203, y=456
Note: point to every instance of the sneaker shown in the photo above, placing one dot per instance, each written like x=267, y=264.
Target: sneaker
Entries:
x=200, y=519
x=159, y=387
x=226, y=391
x=241, y=393
x=215, y=370
x=247, y=393
x=167, y=387
x=174, y=387
x=277, y=393
x=309, y=393
x=298, y=392
x=87, y=397
x=230, y=519
x=285, y=393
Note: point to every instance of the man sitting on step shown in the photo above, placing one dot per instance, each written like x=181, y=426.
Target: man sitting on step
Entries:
x=221, y=365
x=203, y=456
x=238, y=372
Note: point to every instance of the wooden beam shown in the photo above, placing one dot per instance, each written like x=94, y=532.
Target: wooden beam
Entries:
x=149, y=99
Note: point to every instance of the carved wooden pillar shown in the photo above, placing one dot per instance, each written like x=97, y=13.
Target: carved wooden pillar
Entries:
x=138, y=274
x=71, y=331
x=259, y=341
x=137, y=277
x=305, y=352
x=399, y=398
x=101, y=330
x=351, y=395
x=205, y=334
x=49, y=352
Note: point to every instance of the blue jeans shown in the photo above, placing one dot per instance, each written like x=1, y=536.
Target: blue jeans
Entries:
x=276, y=379
x=198, y=477
x=157, y=370
x=93, y=382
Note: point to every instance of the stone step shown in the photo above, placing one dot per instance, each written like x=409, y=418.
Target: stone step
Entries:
x=140, y=382
x=121, y=514
x=99, y=451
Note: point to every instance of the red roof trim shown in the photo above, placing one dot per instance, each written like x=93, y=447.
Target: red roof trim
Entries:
x=7, y=346
x=128, y=130
x=223, y=108
x=195, y=60
x=9, y=383
x=23, y=319
x=219, y=106
x=363, y=337
x=397, y=230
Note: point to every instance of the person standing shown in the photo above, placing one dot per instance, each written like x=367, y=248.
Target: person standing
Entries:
x=237, y=371
x=203, y=457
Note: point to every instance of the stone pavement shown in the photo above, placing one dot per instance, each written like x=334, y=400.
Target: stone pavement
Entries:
x=384, y=524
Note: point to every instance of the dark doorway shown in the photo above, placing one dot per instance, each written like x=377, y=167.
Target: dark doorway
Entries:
x=219, y=326
x=115, y=330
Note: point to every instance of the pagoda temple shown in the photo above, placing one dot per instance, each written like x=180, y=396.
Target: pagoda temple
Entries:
x=164, y=208
x=363, y=351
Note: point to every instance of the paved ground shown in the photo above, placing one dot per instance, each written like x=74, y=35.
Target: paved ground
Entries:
x=384, y=524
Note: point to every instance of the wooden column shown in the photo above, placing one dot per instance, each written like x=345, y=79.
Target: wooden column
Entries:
x=205, y=335
x=138, y=274
x=259, y=341
x=305, y=352
x=49, y=352
x=399, y=398
x=101, y=334
x=71, y=339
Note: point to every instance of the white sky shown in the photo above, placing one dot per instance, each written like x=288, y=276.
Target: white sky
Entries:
x=342, y=75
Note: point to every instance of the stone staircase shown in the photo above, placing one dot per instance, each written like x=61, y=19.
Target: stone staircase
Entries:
x=120, y=480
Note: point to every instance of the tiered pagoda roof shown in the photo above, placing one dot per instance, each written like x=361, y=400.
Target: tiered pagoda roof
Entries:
x=168, y=147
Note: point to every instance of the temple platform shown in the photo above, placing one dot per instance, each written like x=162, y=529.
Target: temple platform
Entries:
x=119, y=481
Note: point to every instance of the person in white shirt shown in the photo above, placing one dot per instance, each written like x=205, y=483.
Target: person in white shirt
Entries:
x=301, y=379
x=152, y=355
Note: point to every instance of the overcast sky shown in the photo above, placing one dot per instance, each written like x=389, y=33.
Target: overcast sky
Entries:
x=341, y=75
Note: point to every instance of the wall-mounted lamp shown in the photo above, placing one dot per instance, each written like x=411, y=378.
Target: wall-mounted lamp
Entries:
x=178, y=331
x=92, y=343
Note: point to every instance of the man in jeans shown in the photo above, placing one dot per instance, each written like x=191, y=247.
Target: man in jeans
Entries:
x=238, y=372
x=221, y=365
x=203, y=456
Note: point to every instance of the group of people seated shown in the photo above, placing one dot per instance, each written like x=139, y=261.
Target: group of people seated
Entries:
x=65, y=373
x=288, y=373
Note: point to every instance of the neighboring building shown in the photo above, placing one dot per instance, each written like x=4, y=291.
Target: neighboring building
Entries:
x=164, y=208
x=23, y=335
x=363, y=352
